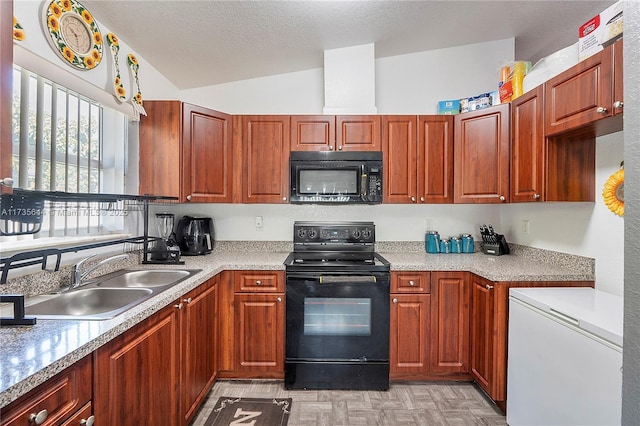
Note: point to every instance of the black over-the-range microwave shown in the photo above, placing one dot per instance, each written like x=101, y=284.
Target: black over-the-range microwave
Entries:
x=336, y=177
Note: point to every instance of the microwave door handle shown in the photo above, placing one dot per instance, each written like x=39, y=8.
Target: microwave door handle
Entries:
x=363, y=184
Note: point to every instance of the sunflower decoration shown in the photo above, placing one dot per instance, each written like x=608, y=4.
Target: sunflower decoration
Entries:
x=613, y=192
x=18, y=33
x=114, y=46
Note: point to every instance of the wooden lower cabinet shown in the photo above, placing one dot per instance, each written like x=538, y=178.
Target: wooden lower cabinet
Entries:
x=199, y=346
x=136, y=374
x=252, y=324
x=159, y=371
x=450, y=297
x=489, y=331
x=61, y=399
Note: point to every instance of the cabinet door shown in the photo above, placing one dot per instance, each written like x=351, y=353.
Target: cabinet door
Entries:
x=527, y=146
x=449, y=322
x=435, y=159
x=580, y=95
x=199, y=346
x=61, y=396
x=358, y=133
x=399, y=157
x=481, y=155
x=313, y=133
x=265, y=141
x=137, y=376
x=409, y=334
x=260, y=332
x=618, y=86
x=482, y=332
x=160, y=157
x=206, y=156
x=6, y=87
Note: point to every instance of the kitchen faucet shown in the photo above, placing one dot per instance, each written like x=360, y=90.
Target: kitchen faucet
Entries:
x=79, y=274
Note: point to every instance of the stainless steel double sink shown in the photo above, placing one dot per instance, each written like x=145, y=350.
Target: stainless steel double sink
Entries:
x=106, y=296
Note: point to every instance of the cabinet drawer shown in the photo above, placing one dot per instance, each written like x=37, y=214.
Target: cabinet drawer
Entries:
x=258, y=281
x=81, y=417
x=411, y=282
x=60, y=396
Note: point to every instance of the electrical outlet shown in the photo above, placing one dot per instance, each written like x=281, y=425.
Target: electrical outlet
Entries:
x=526, y=227
x=429, y=224
x=259, y=225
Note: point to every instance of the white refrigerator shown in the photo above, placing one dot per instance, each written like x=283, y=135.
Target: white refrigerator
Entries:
x=564, y=357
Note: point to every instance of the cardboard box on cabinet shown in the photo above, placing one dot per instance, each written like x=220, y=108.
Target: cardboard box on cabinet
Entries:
x=601, y=30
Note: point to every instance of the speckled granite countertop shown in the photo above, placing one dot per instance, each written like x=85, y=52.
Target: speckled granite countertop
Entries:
x=31, y=355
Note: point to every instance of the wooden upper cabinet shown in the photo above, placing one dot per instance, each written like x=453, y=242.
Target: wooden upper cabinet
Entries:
x=435, y=158
x=527, y=147
x=185, y=152
x=399, y=158
x=265, y=146
x=313, y=133
x=481, y=155
x=582, y=96
x=206, y=155
x=358, y=133
x=6, y=87
x=618, y=75
x=418, y=158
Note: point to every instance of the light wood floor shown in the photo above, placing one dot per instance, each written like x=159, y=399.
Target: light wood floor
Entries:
x=431, y=403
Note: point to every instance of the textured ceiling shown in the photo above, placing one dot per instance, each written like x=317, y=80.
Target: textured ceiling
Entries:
x=200, y=43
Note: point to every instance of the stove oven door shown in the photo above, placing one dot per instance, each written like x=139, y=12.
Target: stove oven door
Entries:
x=337, y=332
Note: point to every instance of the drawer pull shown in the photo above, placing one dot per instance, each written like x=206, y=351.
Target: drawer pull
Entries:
x=39, y=418
x=395, y=300
x=412, y=283
x=89, y=421
x=258, y=282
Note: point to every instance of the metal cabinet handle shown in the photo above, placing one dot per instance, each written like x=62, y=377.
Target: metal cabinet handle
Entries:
x=502, y=198
x=279, y=299
x=89, y=421
x=258, y=282
x=394, y=300
x=187, y=300
x=179, y=306
x=39, y=418
x=284, y=198
x=413, y=199
x=331, y=148
x=412, y=283
x=618, y=104
x=601, y=110
x=339, y=147
x=422, y=199
x=6, y=182
x=536, y=196
x=189, y=197
x=488, y=287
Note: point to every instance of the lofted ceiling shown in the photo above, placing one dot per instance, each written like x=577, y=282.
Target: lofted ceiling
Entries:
x=201, y=43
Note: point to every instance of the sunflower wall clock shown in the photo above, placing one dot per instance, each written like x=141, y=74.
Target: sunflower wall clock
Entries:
x=73, y=33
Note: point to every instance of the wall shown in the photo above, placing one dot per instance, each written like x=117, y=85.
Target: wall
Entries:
x=631, y=354
x=153, y=85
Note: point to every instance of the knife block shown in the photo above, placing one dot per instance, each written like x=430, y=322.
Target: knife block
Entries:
x=499, y=248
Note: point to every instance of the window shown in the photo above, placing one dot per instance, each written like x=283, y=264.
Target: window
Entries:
x=63, y=141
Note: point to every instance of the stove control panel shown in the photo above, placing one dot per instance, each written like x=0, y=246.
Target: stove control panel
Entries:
x=334, y=233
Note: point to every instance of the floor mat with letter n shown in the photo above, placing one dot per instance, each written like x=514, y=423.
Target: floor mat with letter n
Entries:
x=250, y=411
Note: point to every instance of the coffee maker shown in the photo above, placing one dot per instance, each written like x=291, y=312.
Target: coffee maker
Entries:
x=165, y=249
x=195, y=235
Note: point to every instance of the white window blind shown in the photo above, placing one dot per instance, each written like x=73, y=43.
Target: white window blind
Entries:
x=63, y=141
